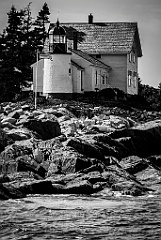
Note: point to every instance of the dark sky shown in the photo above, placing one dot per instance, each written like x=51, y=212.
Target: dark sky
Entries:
x=146, y=12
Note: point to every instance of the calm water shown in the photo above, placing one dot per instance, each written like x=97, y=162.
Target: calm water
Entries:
x=81, y=217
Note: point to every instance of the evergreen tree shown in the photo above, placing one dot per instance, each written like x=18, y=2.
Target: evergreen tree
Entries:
x=18, y=47
x=10, y=75
x=27, y=53
x=42, y=19
x=27, y=23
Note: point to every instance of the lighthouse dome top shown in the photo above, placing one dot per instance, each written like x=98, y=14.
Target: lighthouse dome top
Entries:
x=57, y=30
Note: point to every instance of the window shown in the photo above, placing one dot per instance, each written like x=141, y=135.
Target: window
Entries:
x=103, y=79
x=106, y=79
x=63, y=39
x=129, y=78
x=56, y=38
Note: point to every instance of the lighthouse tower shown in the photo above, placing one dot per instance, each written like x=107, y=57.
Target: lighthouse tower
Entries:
x=57, y=79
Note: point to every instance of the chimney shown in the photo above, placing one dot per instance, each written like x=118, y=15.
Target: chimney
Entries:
x=75, y=40
x=90, y=18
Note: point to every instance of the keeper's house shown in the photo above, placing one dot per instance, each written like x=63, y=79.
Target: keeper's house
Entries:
x=88, y=57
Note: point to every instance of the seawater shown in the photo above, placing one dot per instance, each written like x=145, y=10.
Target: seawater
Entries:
x=70, y=217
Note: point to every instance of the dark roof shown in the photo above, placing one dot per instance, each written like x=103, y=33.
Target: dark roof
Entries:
x=90, y=59
x=103, y=38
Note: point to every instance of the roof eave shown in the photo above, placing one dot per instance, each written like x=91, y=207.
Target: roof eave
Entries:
x=77, y=66
x=107, y=68
x=107, y=52
x=96, y=65
x=137, y=39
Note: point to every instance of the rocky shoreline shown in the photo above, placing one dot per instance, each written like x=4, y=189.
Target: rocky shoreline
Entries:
x=69, y=147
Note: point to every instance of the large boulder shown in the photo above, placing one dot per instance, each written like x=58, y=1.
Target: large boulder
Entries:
x=74, y=162
x=18, y=134
x=25, y=107
x=134, y=164
x=8, y=108
x=142, y=140
x=7, y=192
x=19, y=189
x=8, y=166
x=155, y=161
x=39, y=171
x=4, y=178
x=9, y=120
x=15, y=114
x=4, y=140
x=93, y=177
x=47, y=129
x=128, y=188
x=15, y=150
x=36, y=187
x=67, y=160
x=120, y=180
x=116, y=148
x=102, y=128
x=8, y=125
x=23, y=118
x=86, y=148
x=8, y=157
x=150, y=177
x=79, y=187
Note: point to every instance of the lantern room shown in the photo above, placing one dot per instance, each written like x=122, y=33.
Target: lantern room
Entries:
x=57, y=39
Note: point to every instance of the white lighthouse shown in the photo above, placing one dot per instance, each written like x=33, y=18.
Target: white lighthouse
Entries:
x=54, y=77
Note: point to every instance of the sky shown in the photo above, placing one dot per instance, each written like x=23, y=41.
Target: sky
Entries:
x=146, y=12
